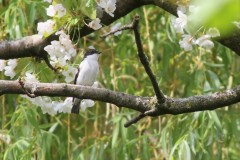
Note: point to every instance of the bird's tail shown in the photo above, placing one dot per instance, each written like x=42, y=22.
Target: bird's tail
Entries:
x=76, y=105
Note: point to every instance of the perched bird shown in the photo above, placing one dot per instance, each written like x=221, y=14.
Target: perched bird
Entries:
x=86, y=75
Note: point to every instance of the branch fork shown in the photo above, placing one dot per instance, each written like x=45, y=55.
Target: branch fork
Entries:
x=160, y=98
x=29, y=94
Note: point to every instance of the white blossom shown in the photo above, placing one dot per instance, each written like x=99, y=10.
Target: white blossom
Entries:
x=2, y=64
x=205, y=42
x=45, y=27
x=49, y=1
x=61, y=51
x=66, y=106
x=51, y=11
x=108, y=5
x=9, y=69
x=57, y=9
x=12, y=63
x=38, y=101
x=95, y=24
x=187, y=42
x=85, y=103
x=49, y=107
x=69, y=74
x=52, y=107
x=102, y=3
x=180, y=22
x=65, y=41
x=115, y=27
x=30, y=77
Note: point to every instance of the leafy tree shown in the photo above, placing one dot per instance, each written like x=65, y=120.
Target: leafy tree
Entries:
x=194, y=63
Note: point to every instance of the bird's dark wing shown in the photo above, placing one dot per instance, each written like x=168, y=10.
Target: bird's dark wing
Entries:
x=75, y=79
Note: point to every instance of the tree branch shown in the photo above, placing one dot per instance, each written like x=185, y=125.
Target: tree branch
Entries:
x=142, y=104
x=82, y=92
x=145, y=62
x=30, y=46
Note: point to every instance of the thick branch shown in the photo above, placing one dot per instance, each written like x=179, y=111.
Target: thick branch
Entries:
x=141, y=104
x=32, y=46
x=68, y=90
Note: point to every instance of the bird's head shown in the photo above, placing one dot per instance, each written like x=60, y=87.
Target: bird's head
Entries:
x=91, y=54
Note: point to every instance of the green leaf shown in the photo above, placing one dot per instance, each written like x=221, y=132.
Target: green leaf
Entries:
x=184, y=151
x=115, y=135
x=213, y=115
x=217, y=13
x=214, y=79
x=31, y=13
x=88, y=8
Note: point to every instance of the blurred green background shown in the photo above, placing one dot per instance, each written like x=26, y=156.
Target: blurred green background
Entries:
x=98, y=133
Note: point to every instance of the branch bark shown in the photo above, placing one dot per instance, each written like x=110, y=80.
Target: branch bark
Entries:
x=139, y=103
x=32, y=46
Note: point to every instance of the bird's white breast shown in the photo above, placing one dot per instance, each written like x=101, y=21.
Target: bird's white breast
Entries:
x=88, y=72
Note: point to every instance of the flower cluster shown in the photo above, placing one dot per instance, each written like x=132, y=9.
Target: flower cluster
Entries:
x=109, y=6
x=69, y=74
x=95, y=24
x=188, y=40
x=48, y=27
x=60, y=53
x=57, y=9
x=45, y=28
x=86, y=103
x=9, y=68
x=47, y=104
x=53, y=107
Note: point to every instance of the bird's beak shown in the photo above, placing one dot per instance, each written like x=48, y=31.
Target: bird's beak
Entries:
x=99, y=52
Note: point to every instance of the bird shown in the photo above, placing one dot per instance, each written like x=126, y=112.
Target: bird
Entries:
x=87, y=74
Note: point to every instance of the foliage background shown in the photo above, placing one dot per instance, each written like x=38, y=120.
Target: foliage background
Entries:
x=98, y=133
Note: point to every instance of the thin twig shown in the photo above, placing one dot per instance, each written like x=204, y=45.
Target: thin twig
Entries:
x=46, y=59
x=143, y=58
x=125, y=27
x=145, y=62
x=134, y=120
